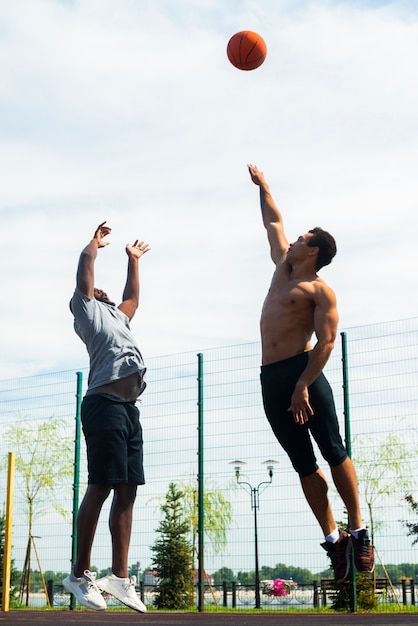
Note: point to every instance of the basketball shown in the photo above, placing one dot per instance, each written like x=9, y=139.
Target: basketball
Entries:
x=246, y=50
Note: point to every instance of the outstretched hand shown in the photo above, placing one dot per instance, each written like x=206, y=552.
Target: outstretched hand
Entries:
x=256, y=175
x=300, y=406
x=102, y=231
x=137, y=249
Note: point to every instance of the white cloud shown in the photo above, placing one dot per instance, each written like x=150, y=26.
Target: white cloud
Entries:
x=131, y=112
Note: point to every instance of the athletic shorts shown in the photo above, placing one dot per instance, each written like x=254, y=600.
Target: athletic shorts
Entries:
x=278, y=382
x=113, y=436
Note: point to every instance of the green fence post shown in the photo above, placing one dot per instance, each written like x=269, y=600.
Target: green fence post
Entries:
x=76, y=480
x=200, y=524
x=352, y=573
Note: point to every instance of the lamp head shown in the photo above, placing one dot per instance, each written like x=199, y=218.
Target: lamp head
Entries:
x=270, y=463
x=237, y=467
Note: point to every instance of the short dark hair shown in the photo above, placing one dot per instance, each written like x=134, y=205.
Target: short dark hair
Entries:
x=326, y=244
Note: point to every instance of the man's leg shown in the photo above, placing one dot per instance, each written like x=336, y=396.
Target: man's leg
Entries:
x=87, y=518
x=337, y=542
x=345, y=480
x=315, y=488
x=119, y=584
x=82, y=582
x=120, y=524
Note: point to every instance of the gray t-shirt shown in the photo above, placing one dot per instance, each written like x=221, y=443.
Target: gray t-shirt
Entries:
x=109, y=341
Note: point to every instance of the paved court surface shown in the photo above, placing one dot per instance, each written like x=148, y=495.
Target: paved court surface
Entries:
x=87, y=618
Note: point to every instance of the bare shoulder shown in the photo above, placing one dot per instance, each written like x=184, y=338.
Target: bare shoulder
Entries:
x=326, y=312
x=324, y=293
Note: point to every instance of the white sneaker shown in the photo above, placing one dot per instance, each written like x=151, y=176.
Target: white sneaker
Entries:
x=85, y=590
x=123, y=589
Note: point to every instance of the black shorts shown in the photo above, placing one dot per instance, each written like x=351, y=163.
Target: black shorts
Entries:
x=113, y=436
x=278, y=382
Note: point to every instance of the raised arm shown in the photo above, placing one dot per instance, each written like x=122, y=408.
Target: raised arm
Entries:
x=85, y=270
x=130, y=298
x=272, y=218
x=325, y=326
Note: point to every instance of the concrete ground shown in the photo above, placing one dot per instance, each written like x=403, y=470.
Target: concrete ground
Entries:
x=87, y=618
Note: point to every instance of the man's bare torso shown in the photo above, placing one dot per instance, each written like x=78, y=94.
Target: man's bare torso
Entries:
x=127, y=389
x=287, y=318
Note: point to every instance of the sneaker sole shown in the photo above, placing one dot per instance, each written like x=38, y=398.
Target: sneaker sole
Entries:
x=364, y=571
x=68, y=587
x=134, y=608
x=102, y=587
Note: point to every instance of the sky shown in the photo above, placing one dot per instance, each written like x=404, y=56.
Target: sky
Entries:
x=130, y=112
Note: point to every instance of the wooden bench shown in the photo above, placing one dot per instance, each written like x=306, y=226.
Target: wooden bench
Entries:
x=329, y=588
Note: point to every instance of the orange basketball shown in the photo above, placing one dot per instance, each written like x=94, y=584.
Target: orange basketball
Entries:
x=246, y=50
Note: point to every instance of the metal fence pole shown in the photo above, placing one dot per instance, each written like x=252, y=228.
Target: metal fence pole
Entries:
x=352, y=574
x=76, y=480
x=200, y=524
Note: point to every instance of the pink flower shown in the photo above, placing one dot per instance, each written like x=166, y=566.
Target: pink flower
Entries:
x=278, y=588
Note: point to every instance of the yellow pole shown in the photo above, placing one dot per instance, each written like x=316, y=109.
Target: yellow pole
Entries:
x=7, y=557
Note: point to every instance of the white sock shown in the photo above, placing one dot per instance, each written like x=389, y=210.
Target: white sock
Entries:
x=355, y=533
x=73, y=577
x=333, y=537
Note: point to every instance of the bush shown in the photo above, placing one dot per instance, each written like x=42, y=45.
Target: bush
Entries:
x=366, y=596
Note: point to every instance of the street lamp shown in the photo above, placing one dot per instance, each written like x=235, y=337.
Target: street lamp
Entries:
x=255, y=505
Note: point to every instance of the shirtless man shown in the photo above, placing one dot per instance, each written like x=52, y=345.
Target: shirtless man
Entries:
x=111, y=424
x=297, y=398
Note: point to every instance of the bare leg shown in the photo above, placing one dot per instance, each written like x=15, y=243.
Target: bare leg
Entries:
x=345, y=480
x=87, y=518
x=315, y=488
x=120, y=524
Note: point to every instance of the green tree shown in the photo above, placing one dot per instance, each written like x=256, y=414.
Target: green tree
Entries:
x=14, y=574
x=246, y=578
x=268, y=573
x=43, y=459
x=379, y=468
x=412, y=527
x=173, y=555
x=223, y=574
x=217, y=514
x=289, y=572
x=135, y=570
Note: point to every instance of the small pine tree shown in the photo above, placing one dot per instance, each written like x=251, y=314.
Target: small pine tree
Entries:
x=173, y=555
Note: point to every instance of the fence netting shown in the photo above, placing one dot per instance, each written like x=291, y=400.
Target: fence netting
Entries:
x=382, y=373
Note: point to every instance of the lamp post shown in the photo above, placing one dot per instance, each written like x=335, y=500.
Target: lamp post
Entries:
x=255, y=505
x=138, y=571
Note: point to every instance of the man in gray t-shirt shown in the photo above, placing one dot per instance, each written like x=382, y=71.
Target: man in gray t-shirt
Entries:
x=110, y=422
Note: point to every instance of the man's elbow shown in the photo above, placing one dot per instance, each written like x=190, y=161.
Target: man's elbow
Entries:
x=326, y=344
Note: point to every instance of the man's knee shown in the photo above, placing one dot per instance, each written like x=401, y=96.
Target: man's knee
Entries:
x=341, y=464
x=99, y=492
x=125, y=492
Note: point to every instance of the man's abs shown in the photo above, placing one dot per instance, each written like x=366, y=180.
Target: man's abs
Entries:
x=286, y=325
x=277, y=350
x=127, y=389
x=284, y=336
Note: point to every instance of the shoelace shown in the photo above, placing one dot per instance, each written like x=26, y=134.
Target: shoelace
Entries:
x=129, y=583
x=91, y=579
x=364, y=548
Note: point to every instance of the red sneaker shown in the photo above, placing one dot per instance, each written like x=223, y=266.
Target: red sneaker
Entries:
x=339, y=553
x=363, y=552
